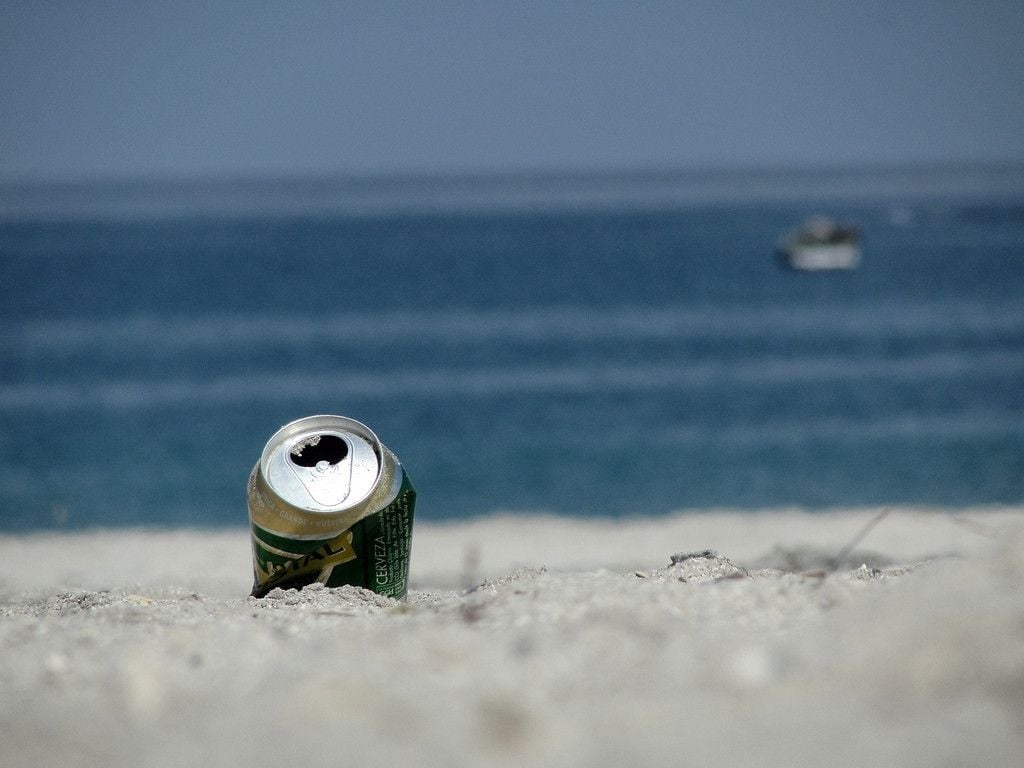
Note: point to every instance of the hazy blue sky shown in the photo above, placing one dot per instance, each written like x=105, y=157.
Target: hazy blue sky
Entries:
x=249, y=88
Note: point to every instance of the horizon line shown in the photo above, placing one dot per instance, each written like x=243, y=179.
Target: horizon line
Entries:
x=637, y=173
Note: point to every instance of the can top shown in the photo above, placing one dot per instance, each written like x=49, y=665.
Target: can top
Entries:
x=322, y=463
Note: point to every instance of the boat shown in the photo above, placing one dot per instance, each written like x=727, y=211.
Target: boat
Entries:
x=821, y=244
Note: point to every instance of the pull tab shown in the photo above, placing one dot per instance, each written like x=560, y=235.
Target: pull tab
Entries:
x=323, y=465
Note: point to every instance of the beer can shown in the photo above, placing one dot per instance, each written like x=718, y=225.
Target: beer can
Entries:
x=329, y=502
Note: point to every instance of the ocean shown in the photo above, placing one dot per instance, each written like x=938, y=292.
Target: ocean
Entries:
x=603, y=345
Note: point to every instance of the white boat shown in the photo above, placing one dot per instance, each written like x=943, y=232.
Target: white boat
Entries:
x=821, y=244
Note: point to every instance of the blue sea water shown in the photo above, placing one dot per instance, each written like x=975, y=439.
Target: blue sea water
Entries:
x=631, y=348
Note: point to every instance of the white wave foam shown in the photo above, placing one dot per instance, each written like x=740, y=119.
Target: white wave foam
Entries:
x=769, y=371
x=152, y=334
x=969, y=425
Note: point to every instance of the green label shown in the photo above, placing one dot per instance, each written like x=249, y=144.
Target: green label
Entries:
x=373, y=553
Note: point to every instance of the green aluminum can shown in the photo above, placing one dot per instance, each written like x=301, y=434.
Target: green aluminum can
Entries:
x=329, y=503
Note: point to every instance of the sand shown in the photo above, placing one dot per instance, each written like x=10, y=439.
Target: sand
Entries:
x=529, y=641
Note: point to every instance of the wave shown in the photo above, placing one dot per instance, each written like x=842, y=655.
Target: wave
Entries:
x=152, y=334
x=969, y=425
x=762, y=372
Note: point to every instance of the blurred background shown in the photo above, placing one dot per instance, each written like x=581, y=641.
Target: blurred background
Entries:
x=535, y=247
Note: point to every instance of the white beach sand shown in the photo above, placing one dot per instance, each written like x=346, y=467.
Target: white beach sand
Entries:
x=529, y=641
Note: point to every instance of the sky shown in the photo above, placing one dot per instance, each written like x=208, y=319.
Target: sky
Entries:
x=103, y=90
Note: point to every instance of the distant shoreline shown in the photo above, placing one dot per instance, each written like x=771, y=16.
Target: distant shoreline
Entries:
x=510, y=191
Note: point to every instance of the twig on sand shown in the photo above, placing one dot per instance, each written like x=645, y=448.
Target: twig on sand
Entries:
x=846, y=550
x=971, y=525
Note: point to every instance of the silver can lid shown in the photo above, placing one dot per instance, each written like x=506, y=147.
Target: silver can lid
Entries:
x=322, y=463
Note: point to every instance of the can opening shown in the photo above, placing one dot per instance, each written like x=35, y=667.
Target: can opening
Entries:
x=309, y=453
